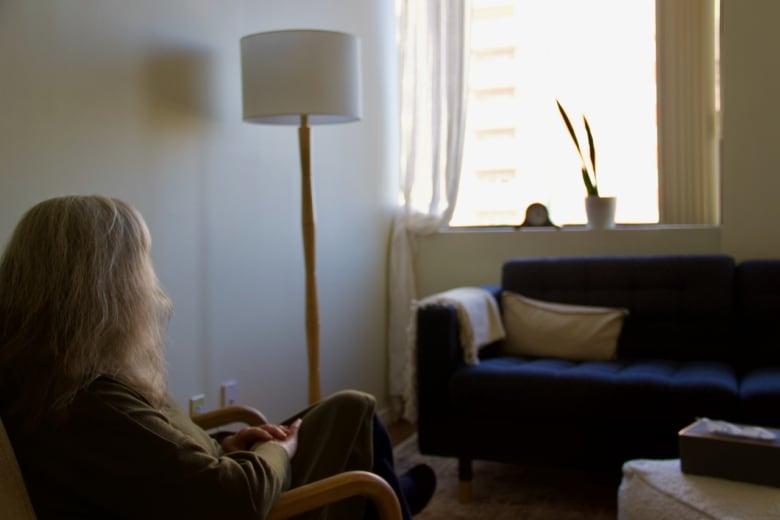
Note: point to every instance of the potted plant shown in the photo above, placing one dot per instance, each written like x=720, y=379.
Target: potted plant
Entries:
x=600, y=210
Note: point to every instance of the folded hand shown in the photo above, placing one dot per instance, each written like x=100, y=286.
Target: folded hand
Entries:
x=246, y=438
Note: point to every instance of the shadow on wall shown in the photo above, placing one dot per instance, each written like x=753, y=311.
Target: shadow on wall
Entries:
x=178, y=85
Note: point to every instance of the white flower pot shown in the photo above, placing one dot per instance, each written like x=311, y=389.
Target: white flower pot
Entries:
x=601, y=212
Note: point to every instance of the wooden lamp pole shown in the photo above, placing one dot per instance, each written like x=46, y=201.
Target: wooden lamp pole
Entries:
x=310, y=259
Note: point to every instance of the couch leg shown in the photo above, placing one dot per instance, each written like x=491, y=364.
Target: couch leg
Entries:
x=464, y=491
x=464, y=480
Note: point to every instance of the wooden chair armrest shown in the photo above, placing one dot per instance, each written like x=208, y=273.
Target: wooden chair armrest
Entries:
x=335, y=488
x=229, y=414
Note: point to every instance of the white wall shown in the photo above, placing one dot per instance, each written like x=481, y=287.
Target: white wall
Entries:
x=141, y=100
x=750, y=76
x=474, y=258
x=751, y=112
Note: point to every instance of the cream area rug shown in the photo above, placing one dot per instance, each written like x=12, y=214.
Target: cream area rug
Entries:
x=514, y=492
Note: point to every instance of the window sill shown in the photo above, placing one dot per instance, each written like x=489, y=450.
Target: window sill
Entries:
x=581, y=228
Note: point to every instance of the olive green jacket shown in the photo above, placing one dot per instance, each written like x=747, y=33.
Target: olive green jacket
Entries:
x=116, y=456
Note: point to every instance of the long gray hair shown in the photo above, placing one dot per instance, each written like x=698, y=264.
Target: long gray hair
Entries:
x=78, y=299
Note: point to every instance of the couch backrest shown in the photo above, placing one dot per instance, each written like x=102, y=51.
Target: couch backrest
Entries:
x=680, y=306
x=758, y=308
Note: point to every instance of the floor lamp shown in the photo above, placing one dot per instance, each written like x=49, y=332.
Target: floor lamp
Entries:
x=303, y=77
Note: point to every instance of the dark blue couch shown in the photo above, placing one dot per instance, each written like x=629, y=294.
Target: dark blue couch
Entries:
x=702, y=338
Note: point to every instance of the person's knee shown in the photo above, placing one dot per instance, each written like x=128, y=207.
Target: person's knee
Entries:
x=361, y=402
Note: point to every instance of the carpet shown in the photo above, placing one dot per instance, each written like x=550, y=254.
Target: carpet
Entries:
x=514, y=492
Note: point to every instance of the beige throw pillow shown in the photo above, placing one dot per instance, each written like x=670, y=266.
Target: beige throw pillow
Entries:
x=546, y=329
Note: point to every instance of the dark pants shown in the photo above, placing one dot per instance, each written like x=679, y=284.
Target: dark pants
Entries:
x=384, y=466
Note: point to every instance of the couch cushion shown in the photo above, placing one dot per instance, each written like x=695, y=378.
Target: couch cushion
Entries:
x=670, y=392
x=548, y=329
x=680, y=306
x=759, y=390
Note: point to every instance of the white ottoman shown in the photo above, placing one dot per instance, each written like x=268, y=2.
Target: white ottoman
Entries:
x=658, y=490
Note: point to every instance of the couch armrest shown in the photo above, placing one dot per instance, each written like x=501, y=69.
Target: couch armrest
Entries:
x=438, y=355
x=495, y=290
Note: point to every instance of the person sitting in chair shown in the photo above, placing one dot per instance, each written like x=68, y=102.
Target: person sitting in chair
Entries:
x=83, y=391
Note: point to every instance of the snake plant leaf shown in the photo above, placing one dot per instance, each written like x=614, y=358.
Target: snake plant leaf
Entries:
x=590, y=188
x=591, y=184
x=571, y=130
x=590, y=146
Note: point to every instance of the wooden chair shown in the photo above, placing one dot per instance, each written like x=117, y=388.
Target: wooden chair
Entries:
x=15, y=502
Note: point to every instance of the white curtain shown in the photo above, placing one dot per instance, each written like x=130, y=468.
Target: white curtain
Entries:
x=687, y=126
x=432, y=47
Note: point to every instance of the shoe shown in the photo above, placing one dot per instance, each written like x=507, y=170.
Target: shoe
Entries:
x=418, y=485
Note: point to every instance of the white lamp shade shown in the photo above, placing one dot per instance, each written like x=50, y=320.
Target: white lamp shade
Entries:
x=287, y=74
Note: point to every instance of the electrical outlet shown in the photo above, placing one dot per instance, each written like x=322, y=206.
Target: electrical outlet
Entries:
x=229, y=393
x=197, y=404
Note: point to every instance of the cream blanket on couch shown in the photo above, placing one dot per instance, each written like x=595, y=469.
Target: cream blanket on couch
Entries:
x=479, y=321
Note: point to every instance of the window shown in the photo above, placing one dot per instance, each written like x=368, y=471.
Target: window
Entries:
x=599, y=59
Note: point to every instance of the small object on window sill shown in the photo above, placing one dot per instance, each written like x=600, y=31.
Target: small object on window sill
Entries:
x=537, y=215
